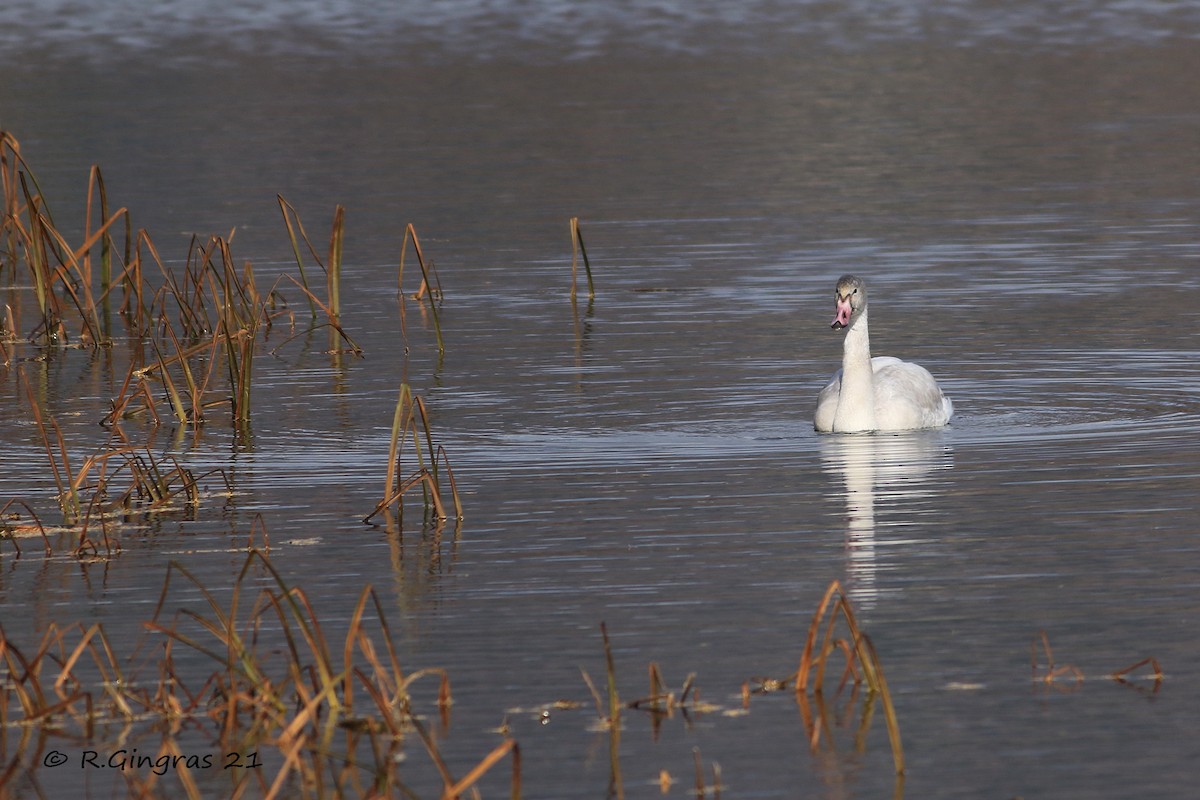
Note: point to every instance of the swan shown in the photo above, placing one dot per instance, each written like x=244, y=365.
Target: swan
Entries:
x=875, y=394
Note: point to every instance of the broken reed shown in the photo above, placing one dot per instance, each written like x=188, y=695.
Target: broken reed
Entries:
x=1056, y=672
x=334, y=713
x=427, y=290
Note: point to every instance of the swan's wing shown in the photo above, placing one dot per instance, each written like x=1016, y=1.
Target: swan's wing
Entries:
x=827, y=403
x=907, y=396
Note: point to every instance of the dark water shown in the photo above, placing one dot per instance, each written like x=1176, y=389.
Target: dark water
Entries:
x=1019, y=183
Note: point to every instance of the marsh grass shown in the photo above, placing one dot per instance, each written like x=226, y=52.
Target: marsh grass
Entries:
x=338, y=715
x=862, y=669
x=61, y=275
x=192, y=334
x=119, y=479
x=178, y=327
x=659, y=704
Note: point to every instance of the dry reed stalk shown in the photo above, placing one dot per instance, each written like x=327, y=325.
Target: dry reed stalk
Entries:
x=441, y=455
x=72, y=262
x=432, y=291
x=10, y=162
x=701, y=787
x=490, y=760
x=577, y=250
x=33, y=515
x=1053, y=672
x=68, y=500
x=333, y=275
x=96, y=186
x=332, y=307
x=43, y=245
x=614, y=700
x=1157, y=674
x=125, y=396
x=291, y=220
x=661, y=700
x=38, y=259
x=410, y=419
x=859, y=649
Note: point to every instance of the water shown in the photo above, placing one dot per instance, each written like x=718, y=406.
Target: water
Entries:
x=1019, y=187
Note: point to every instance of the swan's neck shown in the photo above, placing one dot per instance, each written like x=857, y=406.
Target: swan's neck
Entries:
x=856, y=400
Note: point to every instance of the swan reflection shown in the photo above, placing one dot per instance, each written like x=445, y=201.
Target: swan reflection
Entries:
x=889, y=475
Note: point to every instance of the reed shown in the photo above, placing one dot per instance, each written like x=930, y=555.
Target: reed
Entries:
x=1053, y=672
x=1049, y=672
x=432, y=291
x=319, y=686
x=662, y=700
x=54, y=266
x=331, y=307
x=295, y=229
x=1123, y=675
x=702, y=789
x=331, y=713
x=859, y=653
x=11, y=531
x=212, y=312
x=56, y=452
x=409, y=421
x=148, y=482
x=334, y=273
x=577, y=251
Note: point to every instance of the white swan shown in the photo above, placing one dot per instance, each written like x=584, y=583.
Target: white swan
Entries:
x=875, y=394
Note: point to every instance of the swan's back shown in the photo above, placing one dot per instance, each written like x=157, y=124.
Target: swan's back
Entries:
x=907, y=396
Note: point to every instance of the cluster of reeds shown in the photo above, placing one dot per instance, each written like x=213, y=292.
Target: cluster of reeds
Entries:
x=190, y=334
x=661, y=703
x=60, y=275
x=120, y=479
x=410, y=423
x=321, y=718
x=862, y=666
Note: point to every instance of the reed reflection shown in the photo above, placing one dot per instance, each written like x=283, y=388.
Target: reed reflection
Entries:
x=889, y=479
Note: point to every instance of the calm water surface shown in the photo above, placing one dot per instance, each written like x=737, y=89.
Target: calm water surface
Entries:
x=1020, y=187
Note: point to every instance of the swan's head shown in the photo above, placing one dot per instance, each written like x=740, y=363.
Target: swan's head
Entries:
x=851, y=299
